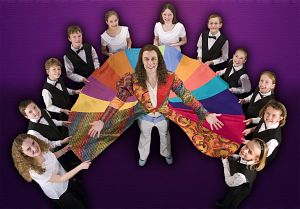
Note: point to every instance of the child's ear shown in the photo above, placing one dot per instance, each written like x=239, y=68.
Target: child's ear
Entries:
x=69, y=38
x=273, y=86
x=26, y=116
x=221, y=24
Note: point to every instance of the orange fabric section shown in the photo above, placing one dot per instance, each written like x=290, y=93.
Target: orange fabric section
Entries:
x=104, y=72
x=186, y=67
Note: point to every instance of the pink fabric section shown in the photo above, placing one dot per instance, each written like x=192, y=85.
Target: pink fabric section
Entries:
x=233, y=124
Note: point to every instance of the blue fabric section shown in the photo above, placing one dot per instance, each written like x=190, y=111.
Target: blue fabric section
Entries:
x=211, y=88
x=132, y=55
x=224, y=103
x=172, y=57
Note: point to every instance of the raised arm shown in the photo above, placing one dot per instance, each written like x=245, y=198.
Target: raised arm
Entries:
x=124, y=86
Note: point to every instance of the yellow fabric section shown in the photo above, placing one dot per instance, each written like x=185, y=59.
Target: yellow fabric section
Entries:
x=89, y=104
x=186, y=67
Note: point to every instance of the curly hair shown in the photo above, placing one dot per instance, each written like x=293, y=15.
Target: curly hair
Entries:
x=24, y=163
x=140, y=71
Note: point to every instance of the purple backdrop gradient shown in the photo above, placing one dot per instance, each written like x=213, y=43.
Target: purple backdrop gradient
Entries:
x=34, y=30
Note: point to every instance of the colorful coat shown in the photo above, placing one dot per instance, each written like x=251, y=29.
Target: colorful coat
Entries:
x=189, y=115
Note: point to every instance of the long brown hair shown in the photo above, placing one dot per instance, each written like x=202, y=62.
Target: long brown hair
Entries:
x=161, y=66
x=171, y=7
x=24, y=163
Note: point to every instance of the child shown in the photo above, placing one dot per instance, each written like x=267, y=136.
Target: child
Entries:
x=42, y=126
x=273, y=117
x=240, y=172
x=212, y=45
x=235, y=73
x=115, y=38
x=33, y=160
x=169, y=31
x=262, y=94
x=55, y=93
x=81, y=59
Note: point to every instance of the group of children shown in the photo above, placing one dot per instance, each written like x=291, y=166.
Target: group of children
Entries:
x=32, y=152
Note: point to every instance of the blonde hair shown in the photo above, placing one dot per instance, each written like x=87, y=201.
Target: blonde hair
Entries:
x=52, y=62
x=270, y=75
x=261, y=145
x=215, y=15
x=24, y=163
x=277, y=106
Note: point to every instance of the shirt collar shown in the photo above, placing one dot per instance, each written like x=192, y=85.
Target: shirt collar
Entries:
x=217, y=35
x=51, y=81
x=74, y=49
x=272, y=126
x=238, y=68
x=266, y=94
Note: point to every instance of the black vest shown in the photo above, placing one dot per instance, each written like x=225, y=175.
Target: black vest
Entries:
x=214, y=52
x=236, y=167
x=50, y=131
x=81, y=67
x=267, y=135
x=60, y=98
x=254, y=107
x=233, y=79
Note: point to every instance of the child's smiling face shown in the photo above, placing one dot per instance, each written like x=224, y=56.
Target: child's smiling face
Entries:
x=32, y=111
x=272, y=116
x=112, y=22
x=76, y=39
x=239, y=58
x=265, y=84
x=214, y=25
x=54, y=72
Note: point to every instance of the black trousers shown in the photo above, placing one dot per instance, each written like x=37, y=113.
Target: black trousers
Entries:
x=235, y=196
x=73, y=198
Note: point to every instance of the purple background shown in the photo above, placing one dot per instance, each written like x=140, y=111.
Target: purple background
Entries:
x=32, y=31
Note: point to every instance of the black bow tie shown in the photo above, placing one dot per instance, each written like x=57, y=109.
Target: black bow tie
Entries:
x=212, y=37
x=79, y=50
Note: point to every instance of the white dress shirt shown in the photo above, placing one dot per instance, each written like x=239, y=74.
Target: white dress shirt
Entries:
x=47, y=96
x=210, y=43
x=272, y=143
x=52, y=144
x=70, y=68
x=236, y=179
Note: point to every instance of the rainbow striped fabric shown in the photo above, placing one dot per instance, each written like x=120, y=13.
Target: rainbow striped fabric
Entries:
x=208, y=88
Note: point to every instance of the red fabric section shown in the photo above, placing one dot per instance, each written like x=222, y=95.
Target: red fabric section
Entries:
x=233, y=124
x=163, y=90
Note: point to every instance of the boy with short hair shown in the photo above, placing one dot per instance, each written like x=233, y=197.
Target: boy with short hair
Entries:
x=212, y=45
x=81, y=58
x=235, y=73
x=55, y=93
x=41, y=124
x=45, y=128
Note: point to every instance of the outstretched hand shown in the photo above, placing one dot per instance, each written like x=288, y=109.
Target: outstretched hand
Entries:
x=213, y=121
x=96, y=128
